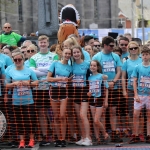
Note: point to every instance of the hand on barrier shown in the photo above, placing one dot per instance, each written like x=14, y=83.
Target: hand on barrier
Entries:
x=137, y=99
x=111, y=85
x=89, y=94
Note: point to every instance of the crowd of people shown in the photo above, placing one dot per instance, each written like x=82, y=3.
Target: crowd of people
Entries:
x=58, y=90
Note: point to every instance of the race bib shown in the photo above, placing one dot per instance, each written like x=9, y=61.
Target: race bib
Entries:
x=60, y=83
x=109, y=66
x=95, y=87
x=78, y=81
x=21, y=91
x=145, y=81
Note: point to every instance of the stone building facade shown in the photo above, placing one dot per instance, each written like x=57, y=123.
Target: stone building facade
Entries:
x=23, y=14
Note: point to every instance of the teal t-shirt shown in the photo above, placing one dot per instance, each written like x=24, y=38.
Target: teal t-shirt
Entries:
x=86, y=55
x=21, y=95
x=6, y=60
x=80, y=71
x=124, y=55
x=142, y=73
x=109, y=63
x=2, y=72
x=128, y=66
x=10, y=39
x=95, y=82
x=60, y=71
x=27, y=63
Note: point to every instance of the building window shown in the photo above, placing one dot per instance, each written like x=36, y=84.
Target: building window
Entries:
x=20, y=10
x=95, y=9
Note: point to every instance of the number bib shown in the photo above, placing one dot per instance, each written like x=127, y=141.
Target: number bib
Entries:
x=95, y=87
x=60, y=83
x=145, y=81
x=78, y=81
x=21, y=91
x=109, y=66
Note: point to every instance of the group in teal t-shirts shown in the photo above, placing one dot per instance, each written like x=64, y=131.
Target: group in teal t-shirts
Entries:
x=76, y=82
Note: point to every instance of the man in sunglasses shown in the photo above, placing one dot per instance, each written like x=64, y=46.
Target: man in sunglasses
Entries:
x=10, y=37
x=123, y=43
x=97, y=45
x=111, y=66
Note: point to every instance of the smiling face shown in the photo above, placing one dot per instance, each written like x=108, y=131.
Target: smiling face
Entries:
x=66, y=54
x=76, y=53
x=43, y=45
x=133, y=49
x=89, y=49
x=93, y=67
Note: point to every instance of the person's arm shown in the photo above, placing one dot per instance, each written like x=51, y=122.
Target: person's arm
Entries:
x=117, y=77
x=124, y=83
x=135, y=90
x=53, y=79
x=22, y=39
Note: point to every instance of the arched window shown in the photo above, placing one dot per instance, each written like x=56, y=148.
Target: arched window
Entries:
x=20, y=10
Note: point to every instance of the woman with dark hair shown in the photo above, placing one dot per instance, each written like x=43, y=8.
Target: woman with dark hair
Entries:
x=98, y=93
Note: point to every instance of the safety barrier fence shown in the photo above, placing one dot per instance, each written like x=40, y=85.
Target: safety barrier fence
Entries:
x=20, y=116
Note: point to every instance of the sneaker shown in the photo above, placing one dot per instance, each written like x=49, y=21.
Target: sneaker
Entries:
x=58, y=143
x=141, y=136
x=72, y=140
x=148, y=139
x=96, y=141
x=79, y=142
x=31, y=144
x=13, y=144
x=115, y=137
x=22, y=144
x=87, y=142
x=44, y=143
x=134, y=139
x=63, y=143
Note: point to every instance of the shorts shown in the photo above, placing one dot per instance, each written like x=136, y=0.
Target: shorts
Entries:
x=145, y=100
x=41, y=98
x=113, y=99
x=80, y=94
x=58, y=93
x=96, y=101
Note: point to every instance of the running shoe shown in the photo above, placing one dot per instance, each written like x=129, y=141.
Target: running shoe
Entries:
x=22, y=144
x=148, y=139
x=58, y=143
x=87, y=142
x=63, y=143
x=80, y=142
x=31, y=144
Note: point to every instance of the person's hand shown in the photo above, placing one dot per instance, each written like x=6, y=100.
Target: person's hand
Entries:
x=111, y=85
x=17, y=83
x=137, y=99
x=124, y=93
x=89, y=94
x=25, y=83
x=64, y=79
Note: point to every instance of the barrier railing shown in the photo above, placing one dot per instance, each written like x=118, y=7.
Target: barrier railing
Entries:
x=21, y=116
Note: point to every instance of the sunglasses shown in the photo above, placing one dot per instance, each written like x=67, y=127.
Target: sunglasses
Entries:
x=111, y=45
x=7, y=27
x=30, y=51
x=18, y=60
x=123, y=44
x=97, y=45
x=133, y=48
x=23, y=52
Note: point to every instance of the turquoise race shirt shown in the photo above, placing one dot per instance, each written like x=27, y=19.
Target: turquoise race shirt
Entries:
x=142, y=73
x=60, y=71
x=95, y=82
x=21, y=95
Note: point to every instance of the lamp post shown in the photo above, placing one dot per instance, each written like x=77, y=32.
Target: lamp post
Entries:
x=142, y=15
